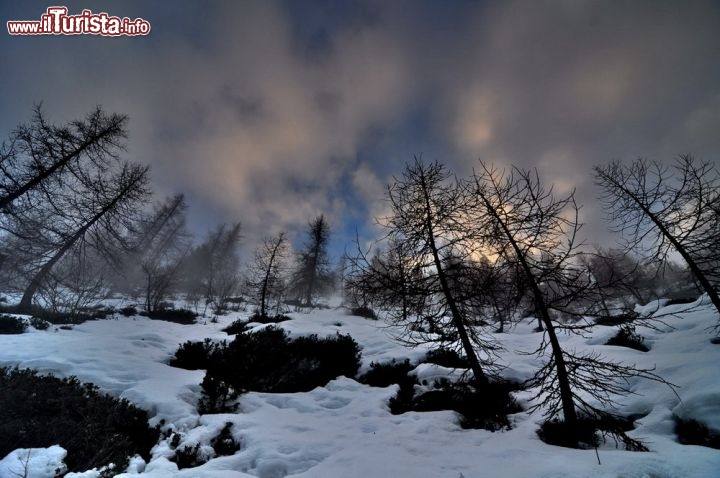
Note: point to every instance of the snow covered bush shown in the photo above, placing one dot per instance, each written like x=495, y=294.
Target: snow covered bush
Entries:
x=39, y=324
x=96, y=429
x=12, y=325
x=446, y=358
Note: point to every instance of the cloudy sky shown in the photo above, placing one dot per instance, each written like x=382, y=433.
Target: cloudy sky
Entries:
x=273, y=112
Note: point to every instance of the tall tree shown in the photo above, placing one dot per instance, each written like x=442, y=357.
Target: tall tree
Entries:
x=528, y=228
x=96, y=211
x=312, y=274
x=661, y=210
x=429, y=223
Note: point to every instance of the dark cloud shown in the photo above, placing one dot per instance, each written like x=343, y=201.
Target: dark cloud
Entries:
x=272, y=112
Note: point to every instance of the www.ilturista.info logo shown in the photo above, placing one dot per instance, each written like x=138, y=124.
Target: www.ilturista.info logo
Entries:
x=57, y=22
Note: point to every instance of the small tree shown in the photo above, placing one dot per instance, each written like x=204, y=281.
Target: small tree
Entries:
x=312, y=274
x=661, y=210
x=267, y=273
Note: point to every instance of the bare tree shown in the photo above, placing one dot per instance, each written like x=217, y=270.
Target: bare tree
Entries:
x=212, y=268
x=527, y=227
x=158, y=252
x=428, y=229
x=38, y=151
x=312, y=274
x=96, y=211
x=663, y=210
x=267, y=273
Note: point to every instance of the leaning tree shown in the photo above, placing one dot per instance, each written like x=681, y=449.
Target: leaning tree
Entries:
x=663, y=210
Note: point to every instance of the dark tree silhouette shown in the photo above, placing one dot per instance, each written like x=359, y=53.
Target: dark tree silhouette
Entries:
x=312, y=273
x=662, y=209
x=96, y=211
x=427, y=228
x=266, y=275
x=528, y=228
x=38, y=151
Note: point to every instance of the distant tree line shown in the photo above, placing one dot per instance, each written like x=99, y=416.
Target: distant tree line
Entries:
x=78, y=223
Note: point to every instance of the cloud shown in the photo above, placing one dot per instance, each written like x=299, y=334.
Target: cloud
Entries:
x=262, y=112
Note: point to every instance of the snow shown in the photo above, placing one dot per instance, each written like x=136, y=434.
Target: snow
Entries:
x=346, y=429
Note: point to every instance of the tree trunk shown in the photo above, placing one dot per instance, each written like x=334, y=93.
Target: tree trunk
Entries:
x=568, y=405
x=480, y=377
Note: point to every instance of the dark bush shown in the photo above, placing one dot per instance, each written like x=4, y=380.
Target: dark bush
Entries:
x=627, y=337
x=446, y=358
x=614, y=320
x=266, y=319
x=188, y=456
x=692, y=432
x=269, y=361
x=196, y=355
x=364, y=311
x=12, y=325
x=590, y=432
x=178, y=316
x=96, y=429
x=237, y=327
x=128, y=311
x=389, y=373
x=224, y=444
x=39, y=324
x=486, y=407
x=55, y=317
x=681, y=300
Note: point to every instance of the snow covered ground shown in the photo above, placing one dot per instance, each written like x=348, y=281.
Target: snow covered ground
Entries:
x=346, y=430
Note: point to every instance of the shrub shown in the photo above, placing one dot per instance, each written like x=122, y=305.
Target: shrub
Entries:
x=236, y=327
x=12, y=325
x=57, y=317
x=446, y=358
x=195, y=355
x=224, y=444
x=178, y=316
x=692, y=432
x=364, y=311
x=389, y=373
x=189, y=456
x=680, y=301
x=590, y=432
x=96, y=429
x=486, y=407
x=614, y=320
x=128, y=311
x=39, y=324
x=265, y=319
x=627, y=337
x=269, y=361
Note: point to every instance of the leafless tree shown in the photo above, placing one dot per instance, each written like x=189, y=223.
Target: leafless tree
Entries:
x=38, y=151
x=212, y=269
x=662, y=210
x=525, y=226
x=267, y=273
x=94, y=210
x=428, y=230
x=158, y=251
